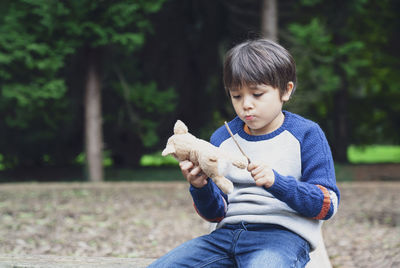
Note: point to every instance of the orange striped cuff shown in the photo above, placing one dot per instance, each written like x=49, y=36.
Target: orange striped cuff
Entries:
x=326, y=205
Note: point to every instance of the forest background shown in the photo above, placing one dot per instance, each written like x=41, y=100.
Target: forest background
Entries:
x=108, y=79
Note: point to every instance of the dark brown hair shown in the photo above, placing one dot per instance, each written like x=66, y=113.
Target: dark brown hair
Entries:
x=256, y=62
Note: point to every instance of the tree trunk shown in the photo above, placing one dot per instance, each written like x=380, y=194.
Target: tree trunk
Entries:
x=93, y=119
x=341, y=126
x=269, y=19
x=340, y=115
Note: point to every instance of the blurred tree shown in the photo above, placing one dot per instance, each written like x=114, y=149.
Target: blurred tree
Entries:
x=344, y=52
x=38, y=39
x=98, y=26
x=189, y=60
x=32, y=89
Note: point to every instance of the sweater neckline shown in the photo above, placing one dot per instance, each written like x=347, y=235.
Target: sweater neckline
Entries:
x=242, y=132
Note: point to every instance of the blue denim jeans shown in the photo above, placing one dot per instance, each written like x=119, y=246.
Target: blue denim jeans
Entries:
x=240, y=245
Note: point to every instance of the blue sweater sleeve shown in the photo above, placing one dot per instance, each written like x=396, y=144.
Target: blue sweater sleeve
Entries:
x=315, y=195
x=209, y=201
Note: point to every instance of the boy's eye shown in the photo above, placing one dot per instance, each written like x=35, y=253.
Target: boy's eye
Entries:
x=257, y=94
x=236, y=96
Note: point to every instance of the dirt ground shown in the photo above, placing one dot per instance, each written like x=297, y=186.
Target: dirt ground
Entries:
x=148, y=219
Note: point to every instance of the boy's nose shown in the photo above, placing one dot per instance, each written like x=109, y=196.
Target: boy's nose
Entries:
x=247, y=103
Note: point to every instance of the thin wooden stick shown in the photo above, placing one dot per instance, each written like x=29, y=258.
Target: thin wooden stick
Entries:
x=237, y=144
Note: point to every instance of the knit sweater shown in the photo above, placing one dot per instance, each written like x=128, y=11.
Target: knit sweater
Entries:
x=304, y=192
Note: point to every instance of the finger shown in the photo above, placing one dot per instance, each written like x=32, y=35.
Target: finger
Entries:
x=186, y=165
x=251, y=166
x=196, y=171
x=261, y=181
x=199, y=181
x=182, y=163
x=254, y=164
x=258, y=170
x=258, y=176
x=186, y=169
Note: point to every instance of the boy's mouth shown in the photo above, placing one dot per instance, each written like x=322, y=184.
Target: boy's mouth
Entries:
x=249, y=117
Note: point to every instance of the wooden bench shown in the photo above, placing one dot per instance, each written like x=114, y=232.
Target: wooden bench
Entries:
x=319, y=258
x=49, y=261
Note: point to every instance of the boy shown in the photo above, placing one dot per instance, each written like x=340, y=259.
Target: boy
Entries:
x=274, y=215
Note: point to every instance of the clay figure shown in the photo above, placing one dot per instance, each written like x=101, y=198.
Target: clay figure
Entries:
x=211, y=159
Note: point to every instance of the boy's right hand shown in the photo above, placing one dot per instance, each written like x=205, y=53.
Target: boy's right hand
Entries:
x=193, y=174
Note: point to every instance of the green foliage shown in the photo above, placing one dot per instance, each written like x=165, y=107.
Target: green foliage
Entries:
x=314, y=54
x=310, y=2
x=40, y=44
x=374, y=154
x=156, y=160
x=123, y=23
x=37, y=92
x=2, y=166
x=145, y=107
x=80, y=159
x=317, y=55
x=349, y=52
x=149, y=99
x=29, y=60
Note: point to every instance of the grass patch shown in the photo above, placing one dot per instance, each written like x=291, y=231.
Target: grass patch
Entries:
x=373, y=154
x=157, y=160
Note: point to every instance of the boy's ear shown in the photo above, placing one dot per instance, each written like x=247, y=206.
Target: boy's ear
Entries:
x=288, y=93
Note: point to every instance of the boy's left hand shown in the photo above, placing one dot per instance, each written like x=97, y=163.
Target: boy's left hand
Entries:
x=262, y=174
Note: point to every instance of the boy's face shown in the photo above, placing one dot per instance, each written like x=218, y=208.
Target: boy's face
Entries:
x=260, y=107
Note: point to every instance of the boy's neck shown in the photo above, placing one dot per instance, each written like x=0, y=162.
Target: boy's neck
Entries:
x=247, y=129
